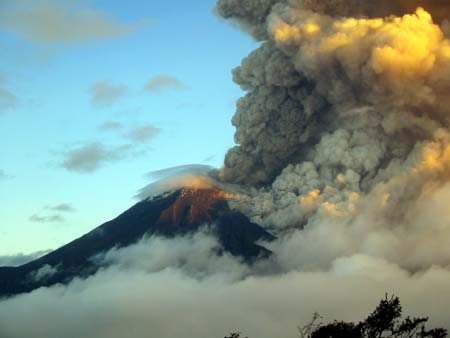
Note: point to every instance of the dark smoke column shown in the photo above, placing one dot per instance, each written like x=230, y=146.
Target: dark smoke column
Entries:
x=291, y=102
x=276, y=117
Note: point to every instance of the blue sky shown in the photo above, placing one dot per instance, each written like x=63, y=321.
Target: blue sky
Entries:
x=94, y=95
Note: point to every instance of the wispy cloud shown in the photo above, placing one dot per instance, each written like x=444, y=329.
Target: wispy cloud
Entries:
x=110, y=126
x=89, y=158
x=59, y=21
x=20, y=259
x=46, y=219
x=104, y=94
x=63, y=207
x=8, y=100
x=210, y=158
x=44, y=273
x=143, y=133
x=4, y=175
x=163, y=82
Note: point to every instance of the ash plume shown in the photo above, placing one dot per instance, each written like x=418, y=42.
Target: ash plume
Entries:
x=343, y=136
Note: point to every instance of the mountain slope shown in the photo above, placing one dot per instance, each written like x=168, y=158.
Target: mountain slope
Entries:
x=178, y=213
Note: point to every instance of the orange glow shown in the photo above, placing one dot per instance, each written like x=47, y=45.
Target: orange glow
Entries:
x=311, y=198
x=286, y=33
x=194, y=205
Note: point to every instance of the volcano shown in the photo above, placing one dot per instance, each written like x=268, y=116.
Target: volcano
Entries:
x=173, y=214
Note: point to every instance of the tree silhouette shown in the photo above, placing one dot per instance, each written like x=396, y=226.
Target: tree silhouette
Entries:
x=235, y=335
x=384, y=322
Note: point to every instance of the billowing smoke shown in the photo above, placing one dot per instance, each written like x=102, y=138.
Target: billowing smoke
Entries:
x=317, y=74
x=344, y=130
x=343, y=152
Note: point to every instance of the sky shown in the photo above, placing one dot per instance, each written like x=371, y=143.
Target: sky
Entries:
x=94, y=95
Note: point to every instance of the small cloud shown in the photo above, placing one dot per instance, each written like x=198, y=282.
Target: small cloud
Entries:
x=91, y=157
x=21, y=259
x=63, y=207
x=179, y=171
x=144, y=133
x=56, y=21
x=44, y=273
x=3, y=175
x=110, y=126
x=163, y=82
x=46, y=219
x=210, y=158
x=172, y=178
x=8, y=101
x=105, y=94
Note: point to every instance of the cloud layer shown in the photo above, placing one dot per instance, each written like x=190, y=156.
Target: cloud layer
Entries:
x=178, y=287
x=51, y=21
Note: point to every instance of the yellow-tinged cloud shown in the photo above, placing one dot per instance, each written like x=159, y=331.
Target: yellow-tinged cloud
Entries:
x=311, y=198
x=408, y=46
x=436, y=156
x=286, y=33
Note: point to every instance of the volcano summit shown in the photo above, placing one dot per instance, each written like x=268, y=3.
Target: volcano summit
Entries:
x=177, y=213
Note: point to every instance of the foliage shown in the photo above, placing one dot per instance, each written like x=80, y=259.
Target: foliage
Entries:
x=235, y=335
x=384, y=322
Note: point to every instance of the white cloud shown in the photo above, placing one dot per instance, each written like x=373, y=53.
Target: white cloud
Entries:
x=43, y=273
x=158, y=286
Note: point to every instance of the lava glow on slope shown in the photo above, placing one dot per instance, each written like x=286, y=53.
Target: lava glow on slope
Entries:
x=194, y=205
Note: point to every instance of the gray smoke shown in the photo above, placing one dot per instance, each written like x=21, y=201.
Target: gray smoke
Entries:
x=318, y=72
x=343, y=136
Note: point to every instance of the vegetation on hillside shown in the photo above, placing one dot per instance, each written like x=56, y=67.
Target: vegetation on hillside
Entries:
x=384, y=322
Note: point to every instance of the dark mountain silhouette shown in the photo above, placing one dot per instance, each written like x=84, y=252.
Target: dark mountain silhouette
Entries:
x=175, y=214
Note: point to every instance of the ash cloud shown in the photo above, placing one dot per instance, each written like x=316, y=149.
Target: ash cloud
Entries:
x=343, y=133
x=316, y=74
